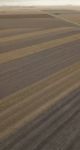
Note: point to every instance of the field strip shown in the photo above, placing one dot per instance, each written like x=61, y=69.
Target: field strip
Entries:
x=19, y=53
x=27, y=100
x=13, y=74
x=36, y=87
x=9, y=30
x=38, y=106
x=32, y=34
x=65, y=19
x=14, y=29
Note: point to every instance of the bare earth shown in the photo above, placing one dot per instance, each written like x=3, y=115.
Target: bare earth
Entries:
x=39, y=78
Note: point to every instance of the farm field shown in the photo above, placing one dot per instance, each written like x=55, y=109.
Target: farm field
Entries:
x=39, y=79
x=72, y=16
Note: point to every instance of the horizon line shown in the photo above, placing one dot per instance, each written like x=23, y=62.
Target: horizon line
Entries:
x=39, y=5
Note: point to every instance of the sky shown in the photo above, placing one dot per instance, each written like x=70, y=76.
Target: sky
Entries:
x=39, y=2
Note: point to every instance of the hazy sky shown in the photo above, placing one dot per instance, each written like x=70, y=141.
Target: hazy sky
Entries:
x=39, y=2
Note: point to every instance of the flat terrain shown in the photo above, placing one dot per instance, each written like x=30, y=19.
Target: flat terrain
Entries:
x=72, y=16
x=39, y=80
